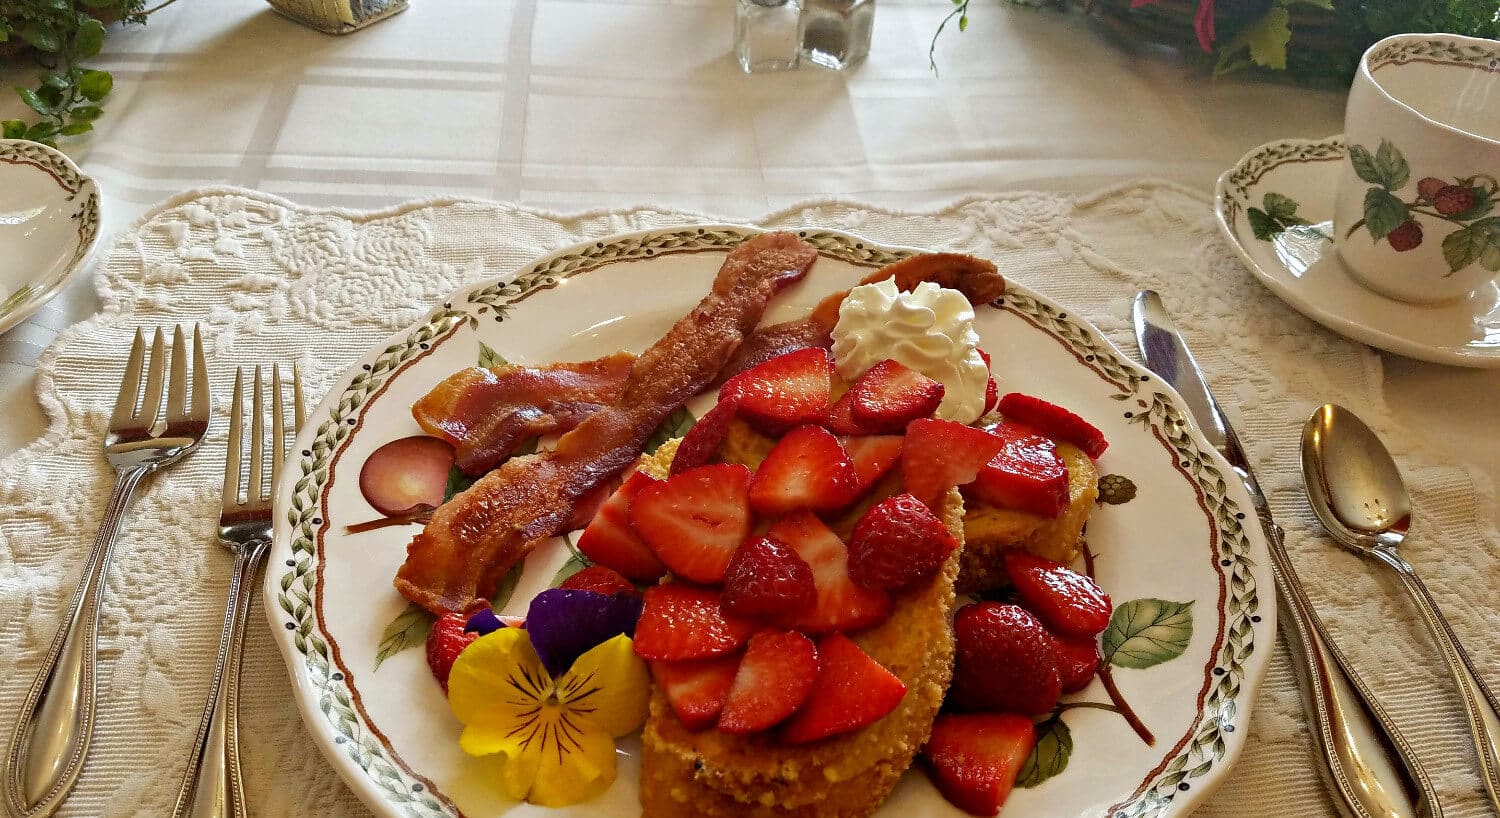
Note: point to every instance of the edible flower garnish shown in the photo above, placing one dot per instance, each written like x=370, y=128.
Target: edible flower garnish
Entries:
x=555, y=737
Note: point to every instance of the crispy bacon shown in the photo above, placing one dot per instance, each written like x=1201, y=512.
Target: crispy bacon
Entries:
x=487, y=413
x=474, y=540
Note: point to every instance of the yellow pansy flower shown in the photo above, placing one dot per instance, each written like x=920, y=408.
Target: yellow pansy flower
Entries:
x=555, y=736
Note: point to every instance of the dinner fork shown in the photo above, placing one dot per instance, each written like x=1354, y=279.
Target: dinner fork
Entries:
x=56, y=725
x=213, y=787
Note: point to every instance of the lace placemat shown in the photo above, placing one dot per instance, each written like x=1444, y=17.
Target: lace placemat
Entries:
x=270, y=281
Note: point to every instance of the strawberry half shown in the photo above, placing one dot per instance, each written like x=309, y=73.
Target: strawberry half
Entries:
x=889, y=395
x=609, y=540
x=1069, y=602
x=1055, y=422
x=599, y=579
x=774, y=679
x=852, y=690
x=840, y=605
x=445, y=641
x=696, y=690
x=873, y=457
x=841, y=418
x=974, y=758
x=807, y=469
x=685, y=622
x=693, y=521
x=941, y=454
x=1077, y=662
x=1004, y=659
x=788, y=390
x=1026, y=475
x=702, y=442
x=898, y=542
x=765, y=577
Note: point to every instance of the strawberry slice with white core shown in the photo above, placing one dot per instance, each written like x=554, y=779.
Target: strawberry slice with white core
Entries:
x=941, y=454
x=852, y=691
x=841, y=605
x=693, y=521
x=696, y=689
x=807, y=469
x=1055, y=422
x=889, y=395
x=609, y=539
x=680, y=621
x=702, y=442
x=1027, y=474
x=873, y=456
x=786, y=391
x=775, y=677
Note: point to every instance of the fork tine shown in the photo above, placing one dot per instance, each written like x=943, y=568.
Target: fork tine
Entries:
x=200, y=376
x=151, y=400
x=278, y=424
x=257, y=443
x=177, y=384
x=232, y=451
x=130, y=384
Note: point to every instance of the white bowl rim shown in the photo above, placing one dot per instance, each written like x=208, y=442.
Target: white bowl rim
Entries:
x=1364, y=70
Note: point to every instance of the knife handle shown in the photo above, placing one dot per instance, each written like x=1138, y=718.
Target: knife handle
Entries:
x=1367, y=761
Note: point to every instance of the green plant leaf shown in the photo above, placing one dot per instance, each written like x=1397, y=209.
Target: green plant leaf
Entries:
x=1383, y=212
x=489, y=358
x=1467, y=245
x=89, y=38
x=1263, y=225
x=98, y=4
x=57, y=81
x=13, y=129
x=576, y=562
x=1279, y=206
x=96, y=85
x=1364, y=165
x=1054, y=745
x=42, y=38
x=34, y=101
x=76, y=128
x=1267, y=38
x=457, y=482
x=1392, y=165
x=86, y=113
x=1490, y=258
x=676, y=425
x=1143, y=633
x=506, y=588
x=42, y=130
x=407, y=630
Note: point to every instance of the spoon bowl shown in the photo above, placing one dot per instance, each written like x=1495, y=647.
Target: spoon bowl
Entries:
x=1353, y=484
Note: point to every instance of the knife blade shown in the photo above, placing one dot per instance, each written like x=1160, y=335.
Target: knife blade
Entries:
x=1367, y=763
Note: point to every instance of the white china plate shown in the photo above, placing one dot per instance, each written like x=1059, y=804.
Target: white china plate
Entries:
x=49, y=223
x=1183, y=540
x=1302, y=268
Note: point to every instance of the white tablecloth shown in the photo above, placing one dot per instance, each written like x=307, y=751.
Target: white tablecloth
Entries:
x=579, y=104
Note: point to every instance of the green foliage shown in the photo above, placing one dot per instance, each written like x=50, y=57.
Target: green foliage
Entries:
x=58, y=35
x=1144, y=633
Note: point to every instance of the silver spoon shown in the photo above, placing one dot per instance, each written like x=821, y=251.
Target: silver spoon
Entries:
x=1356, y=491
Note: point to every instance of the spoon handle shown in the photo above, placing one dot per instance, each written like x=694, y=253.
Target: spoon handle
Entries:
x=1479, y=704
x=1368, y=762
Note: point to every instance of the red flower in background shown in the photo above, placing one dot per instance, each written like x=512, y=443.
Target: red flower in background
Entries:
x=1203, y=21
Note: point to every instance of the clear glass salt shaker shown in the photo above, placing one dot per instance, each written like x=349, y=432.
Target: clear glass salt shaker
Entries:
x=836, y=33
x=765, y=34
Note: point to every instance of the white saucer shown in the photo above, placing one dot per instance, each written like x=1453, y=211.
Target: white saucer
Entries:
x=49, y=222
x=1300, y=266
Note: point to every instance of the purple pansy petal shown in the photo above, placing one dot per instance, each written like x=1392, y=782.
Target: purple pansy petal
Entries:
x=483, y=621
x=565, y=623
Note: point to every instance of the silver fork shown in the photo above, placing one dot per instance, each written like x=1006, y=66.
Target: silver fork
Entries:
x=213, y=786
x=52, y=736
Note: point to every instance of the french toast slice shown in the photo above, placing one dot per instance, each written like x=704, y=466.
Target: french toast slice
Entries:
x=689, y=774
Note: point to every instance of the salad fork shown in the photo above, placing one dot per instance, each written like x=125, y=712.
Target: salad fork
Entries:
x=213, y=787
x=56, y=724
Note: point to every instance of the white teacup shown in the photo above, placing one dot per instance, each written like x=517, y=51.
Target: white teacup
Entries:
x=1418, y=210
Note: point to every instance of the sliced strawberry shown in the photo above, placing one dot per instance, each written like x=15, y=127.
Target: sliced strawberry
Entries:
x=991, y=389
x=774, y=679
x=446, y=639
x=873, y=456
x=1054, y=421
x=599, y=579
x=807, y=469
x=1026, y=475
x=609, y=539
x=685, y=622
x=702, y=442
x=852, y=690
x=1004, y=659
x=788, y=390
x=890, y=395
x=696, y=690
x=1069, y=602
x=941, y=454
x=841, y=418
x=841, y=605
x=693, y=521
x=588, y=506
x=765, y=577
x=974, y=758
x=1077, y=662
x=898, y=542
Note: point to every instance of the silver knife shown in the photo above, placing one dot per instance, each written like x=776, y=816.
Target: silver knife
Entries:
x=1368, y=765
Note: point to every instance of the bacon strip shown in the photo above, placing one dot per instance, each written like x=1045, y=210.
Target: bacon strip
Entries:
x=487, y=413
x=473, y=540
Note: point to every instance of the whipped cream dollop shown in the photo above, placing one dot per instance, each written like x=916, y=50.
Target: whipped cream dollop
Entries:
x=930, y=329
